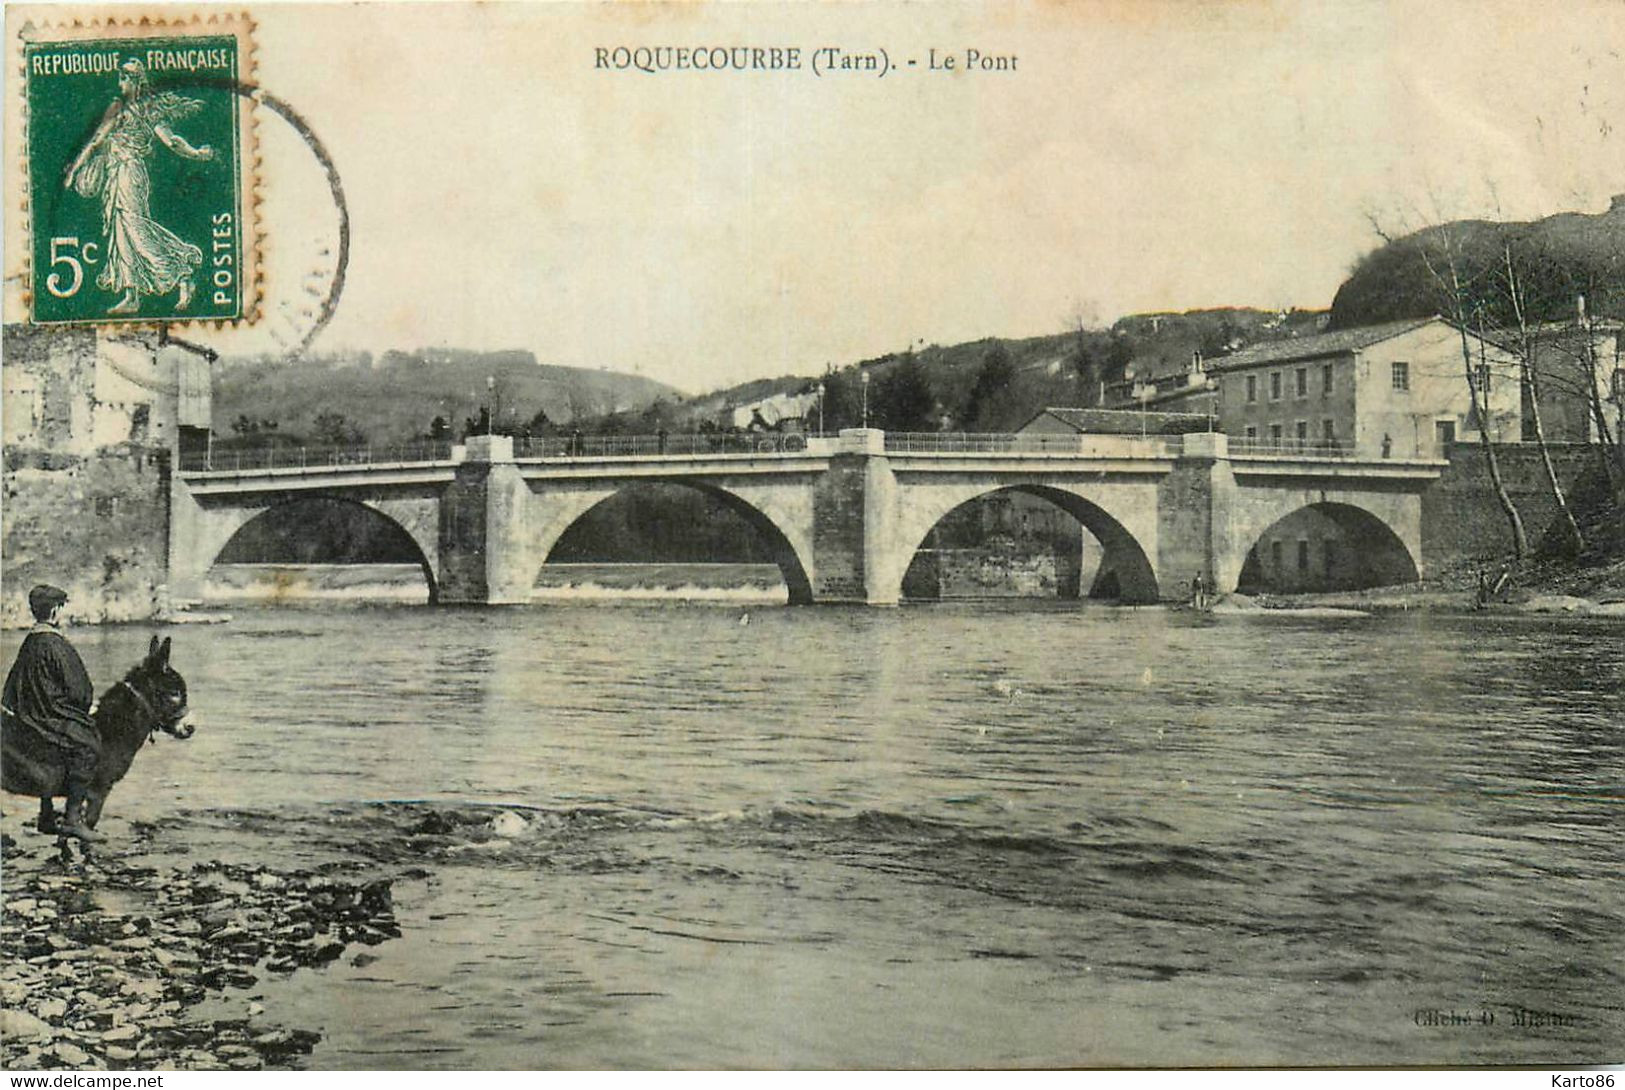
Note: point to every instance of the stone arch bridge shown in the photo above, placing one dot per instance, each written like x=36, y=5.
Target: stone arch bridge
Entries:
x=844, y=515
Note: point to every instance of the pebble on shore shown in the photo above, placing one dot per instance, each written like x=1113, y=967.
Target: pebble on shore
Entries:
x=85, y=987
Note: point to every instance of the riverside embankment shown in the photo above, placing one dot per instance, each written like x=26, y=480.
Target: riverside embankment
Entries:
x=134, y=962
x=1535, y=587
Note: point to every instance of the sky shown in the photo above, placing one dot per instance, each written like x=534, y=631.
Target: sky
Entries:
x=703, y=228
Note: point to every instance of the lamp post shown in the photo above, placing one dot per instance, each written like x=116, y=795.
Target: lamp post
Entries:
x=820, y=408
x=864, y=379
x=491, y=390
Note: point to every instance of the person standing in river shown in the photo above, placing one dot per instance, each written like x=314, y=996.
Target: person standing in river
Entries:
x=49, y=692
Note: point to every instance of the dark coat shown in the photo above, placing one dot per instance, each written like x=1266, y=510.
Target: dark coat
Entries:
x=49, y=690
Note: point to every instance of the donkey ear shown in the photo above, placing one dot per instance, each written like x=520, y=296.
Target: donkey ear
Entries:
x=152, y=648
x=163, y=653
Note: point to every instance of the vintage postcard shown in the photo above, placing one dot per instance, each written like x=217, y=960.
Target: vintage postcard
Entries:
x=813, y=536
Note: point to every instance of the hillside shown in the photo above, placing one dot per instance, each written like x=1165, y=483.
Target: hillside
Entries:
x=968, y=393
x=394, y=397
x=988, y=385
x=1558, y=258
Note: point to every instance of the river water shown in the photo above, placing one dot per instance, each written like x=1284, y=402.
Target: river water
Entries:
x=949, y=835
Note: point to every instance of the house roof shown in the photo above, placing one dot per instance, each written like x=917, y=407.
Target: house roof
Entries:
x=1321, y=344
x=1124, y=421
x=1181, y=393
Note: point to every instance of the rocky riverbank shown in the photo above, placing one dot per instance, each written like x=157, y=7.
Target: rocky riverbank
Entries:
x=108, y=965
x=1597, y=591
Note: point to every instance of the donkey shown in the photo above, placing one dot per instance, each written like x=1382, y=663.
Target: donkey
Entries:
x=151, y=698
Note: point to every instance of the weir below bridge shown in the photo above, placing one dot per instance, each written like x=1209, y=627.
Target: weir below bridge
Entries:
x=843, y=515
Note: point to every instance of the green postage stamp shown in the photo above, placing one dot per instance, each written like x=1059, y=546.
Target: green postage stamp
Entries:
x=135, y=171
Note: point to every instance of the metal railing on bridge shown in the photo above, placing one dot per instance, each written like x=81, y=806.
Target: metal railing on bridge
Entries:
x=948, y=442
x=588, y=447
x=671, y=445
x=232, y=460
x=1289, y=448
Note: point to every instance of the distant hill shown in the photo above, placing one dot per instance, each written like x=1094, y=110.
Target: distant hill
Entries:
x=394, y=397
x=1076, y=368
x=989, y=385
x=1559, y=258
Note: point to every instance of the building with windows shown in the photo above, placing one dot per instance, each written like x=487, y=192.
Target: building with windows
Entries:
x=1396, y=390
x=77, y=390
x=1143, y=387
x=91, y=421
x=1572, y=364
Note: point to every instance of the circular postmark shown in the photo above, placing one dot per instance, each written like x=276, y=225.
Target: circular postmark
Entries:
x=299, y=293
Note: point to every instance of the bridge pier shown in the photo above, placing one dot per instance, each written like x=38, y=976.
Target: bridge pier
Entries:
x=853, y=524
x=485, y=554
x=189, y=552
x=1194, y=504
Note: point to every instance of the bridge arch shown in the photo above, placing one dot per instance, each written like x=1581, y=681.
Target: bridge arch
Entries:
x=1327, y=544
x=1125, y=571
x=411, y=522
x=787, y=538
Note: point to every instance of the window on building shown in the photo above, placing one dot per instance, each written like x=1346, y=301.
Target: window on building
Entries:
x=1275, y=434
x=1275, y=556
x=1402, y=376
x=1326, y=380
x=22, y=405
x=1252, y=431
x=1303, y=381
x=1252, y=387
x=1481, y=379
x=1303, y=557
x=1303, y=431
x=1275, y=385
x=1328, y=431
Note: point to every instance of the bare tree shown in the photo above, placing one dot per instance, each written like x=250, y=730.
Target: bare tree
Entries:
x=1082, y=320
x=1461, y=291
x=1615, y=464
x=1517, y=294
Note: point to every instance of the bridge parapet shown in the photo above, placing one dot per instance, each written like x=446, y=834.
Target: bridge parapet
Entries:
x=680, y=447
x=668, y=446
x=1087, y=445
x=238, y=460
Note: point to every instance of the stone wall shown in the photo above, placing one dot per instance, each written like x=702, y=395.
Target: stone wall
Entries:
x=89, y=418
x=93, y=524
x=838, y=519
x=49, y=393
x=462, y=535
x=985, y=573
x=1462, y=522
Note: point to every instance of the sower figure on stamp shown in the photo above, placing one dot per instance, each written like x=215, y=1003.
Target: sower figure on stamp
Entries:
x=49, y=691
x=141, y=255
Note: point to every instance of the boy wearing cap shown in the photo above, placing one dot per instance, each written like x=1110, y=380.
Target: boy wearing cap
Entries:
x=49, y=690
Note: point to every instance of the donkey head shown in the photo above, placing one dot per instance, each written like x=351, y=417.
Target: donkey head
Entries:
x=161, y=686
